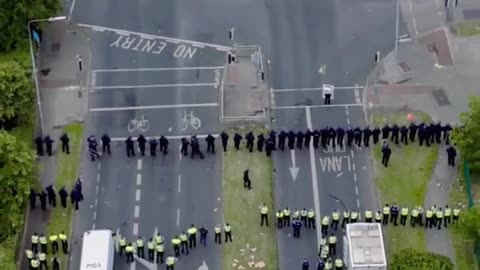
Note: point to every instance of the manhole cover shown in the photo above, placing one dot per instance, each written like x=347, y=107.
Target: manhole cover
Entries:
x=55, y=47
x=441, y=97
x=404, y=67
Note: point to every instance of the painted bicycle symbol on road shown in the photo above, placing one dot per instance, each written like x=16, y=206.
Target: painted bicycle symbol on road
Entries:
x=138, y=124
x=190, y=120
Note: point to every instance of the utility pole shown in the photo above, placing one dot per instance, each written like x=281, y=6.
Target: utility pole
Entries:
x=397, y=15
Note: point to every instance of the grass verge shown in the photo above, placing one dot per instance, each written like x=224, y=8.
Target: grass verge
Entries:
x=241, y=208
x=67, y=173
x=468, y=28
x=404, y=181
x=464, y=255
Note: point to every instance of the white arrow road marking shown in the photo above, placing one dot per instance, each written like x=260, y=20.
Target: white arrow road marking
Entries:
x=293, y=170
x=204, y=266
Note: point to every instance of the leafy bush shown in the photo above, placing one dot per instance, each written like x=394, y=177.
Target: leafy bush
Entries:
x=411, y=259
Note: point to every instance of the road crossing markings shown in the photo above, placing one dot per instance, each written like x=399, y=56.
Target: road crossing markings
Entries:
x=150, y=36
x=314, y=89
x=155, y=69
x=117, y=87
x=313, y=166
x=357, y=95
x=153, y=107
x=315, y=106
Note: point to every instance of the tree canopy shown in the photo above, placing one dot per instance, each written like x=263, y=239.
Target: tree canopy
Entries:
x=16, y=91
x=16, y=178
x=469, y=224
x=14, y=16
x=409, y=259
x=467, y=135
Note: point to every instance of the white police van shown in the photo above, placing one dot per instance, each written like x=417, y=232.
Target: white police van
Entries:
x=98, y=250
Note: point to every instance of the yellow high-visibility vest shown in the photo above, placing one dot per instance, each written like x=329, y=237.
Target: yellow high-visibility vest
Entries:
x=264, y=210
x=286, y=212
x=335, y=216
x=448, y=212
x=311, y=214
x=386, y=210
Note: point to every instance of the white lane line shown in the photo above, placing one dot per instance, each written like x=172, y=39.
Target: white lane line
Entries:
x=98, y=177
x=172, y=41
x=218, y=47
x=357, y=96
x=135, y=228
x=137, y=195
x=139, y=164
x=93, y=226
x=96, y=203
x=71, y=10
x=95, y=216
x=358, y=203
x=96, y=190
x=155, y=69
x=354, y=167
x=139, y=179
x=109, y=87
x=175, y=137
x=133, y=266
x=313, y=89
x=99, y=166
x=313, y=167
x=355, y=177
x=136, y=211
x=348, y=121
x=179, y=183
x=316, y=106
x=179, y=152
x=356, y=190
x=178, y=217
x=153, y=107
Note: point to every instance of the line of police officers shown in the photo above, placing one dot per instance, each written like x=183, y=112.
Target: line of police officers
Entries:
x=50, y=194
x=37, y=254
x=434, y=217
x=181, y=244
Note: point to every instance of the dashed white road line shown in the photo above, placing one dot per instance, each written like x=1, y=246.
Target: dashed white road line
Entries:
x=115, y=87
x=313, y=167
x=136, y=211
x=97, y=189
x=139, y=179
x=137, y=195
x=178, y=217
x=154, y=69
x=135, y=228
x=153, y=107
x=179, y=183
x=144, y=35
x=139, y=164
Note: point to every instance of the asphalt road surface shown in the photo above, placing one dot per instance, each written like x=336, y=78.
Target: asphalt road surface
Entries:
x=343, y=35
x=142, y=52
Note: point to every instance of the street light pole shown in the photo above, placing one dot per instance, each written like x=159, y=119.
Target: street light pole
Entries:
x=396, y=30
x=34, y=68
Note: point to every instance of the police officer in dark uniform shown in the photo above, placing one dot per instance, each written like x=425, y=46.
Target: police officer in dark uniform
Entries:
x=43, y=200
x=394, y=214
x=247, y=183
x=300, y=137
x=412, y=131
x=358, y=136
x=106, y=144
x=308, y=138
x=65, y=143
x=269, y=146
x=395, y=131
x=350, y=136
x=403, y=135
x=237, y=138
x=48, y=145
x=386, y=131
x=291, y=140
x=92, y=148
x=33, y=198
x=376, y=134
x=340, y=134
x=332, y=137
x=297, y=226
x=273, y=136
x=316, y=138
x=210, y=143
x=185, y=143
x=63, y=193
x=421, y=133
x=39, y=145
x=446, y=133
x=438, y=132
x=261, y=142
x=429, y=134
x=250, y=138
x=164, y=145
x=305, y=263
x=51, y=195
x=282, y=136
x=153, y=147
x=367, y=132
x=324, y=137
x=130, y=147
x=386, y=152
x=224, y=137
x=141, y=144
x=452, y=153
x=195, y=147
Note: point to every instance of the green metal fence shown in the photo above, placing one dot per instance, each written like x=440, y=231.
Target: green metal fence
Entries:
x=468, y=189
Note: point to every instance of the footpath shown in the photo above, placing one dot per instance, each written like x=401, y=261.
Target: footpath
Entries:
x=63, y=97
x=434, y=72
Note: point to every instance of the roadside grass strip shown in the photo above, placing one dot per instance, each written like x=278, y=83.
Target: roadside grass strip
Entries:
x=253, y=246
x=404, y=181
x=67, y=173
x=468, y=28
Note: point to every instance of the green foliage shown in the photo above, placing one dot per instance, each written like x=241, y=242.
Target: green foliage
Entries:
x=467, y=136
x=14, y=16
x=409, y=259
x=16, y=91
x=469, y=224
x=16, y=178
x=7, y=253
